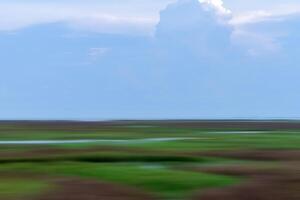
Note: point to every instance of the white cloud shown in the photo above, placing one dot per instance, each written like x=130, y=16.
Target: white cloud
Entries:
x=15, y=16
x=193, y=29
x=195, y=25
x=276, y=13
x=132, y=18
x=255, y=43
x=266, y=31
x=250, y=17
x=217, y=5
x=128, y=16
x=97, y=52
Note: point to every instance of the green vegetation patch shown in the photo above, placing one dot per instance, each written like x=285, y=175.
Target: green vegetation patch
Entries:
x=16, y=188
x=168, y=183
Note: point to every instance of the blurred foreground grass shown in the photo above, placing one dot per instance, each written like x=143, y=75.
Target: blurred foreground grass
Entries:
x=158, y=167
x=18, y=188
x=164, y=182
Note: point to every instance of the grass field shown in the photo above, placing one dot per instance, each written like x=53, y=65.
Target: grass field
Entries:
x=19, y=188
x=148, y=160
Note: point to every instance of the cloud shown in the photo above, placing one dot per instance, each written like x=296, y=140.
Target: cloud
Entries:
x=96, y=53
x=196, y=30
x=208, y=30
x=191, y=25
x=267, y=31
x=126, y=17
x=255, y=43
x=251, y=17
x=278, y=13
x=15, y=16
x=217, y=5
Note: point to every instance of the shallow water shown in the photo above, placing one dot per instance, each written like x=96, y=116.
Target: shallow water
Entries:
x=88, y=141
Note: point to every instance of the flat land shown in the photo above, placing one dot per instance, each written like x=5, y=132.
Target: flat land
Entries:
x=167, y=160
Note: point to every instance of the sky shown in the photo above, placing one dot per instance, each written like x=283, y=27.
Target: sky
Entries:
x=149, y=59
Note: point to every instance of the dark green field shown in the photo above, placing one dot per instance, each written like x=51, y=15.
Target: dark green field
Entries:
x=150, y=160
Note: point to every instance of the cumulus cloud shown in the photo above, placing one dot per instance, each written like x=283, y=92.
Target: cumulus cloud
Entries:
x=209, y=30
x=206, y=28
x=218, y=5
x=196, y=27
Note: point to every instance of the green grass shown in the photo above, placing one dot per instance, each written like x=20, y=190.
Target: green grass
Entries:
x=231, y=141
x=148, y=166
x=203, y=141
x=167, y=183
x=17, y=188
x=207, y=140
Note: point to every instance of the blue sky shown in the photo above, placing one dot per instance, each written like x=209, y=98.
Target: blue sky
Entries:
x=142, y=59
